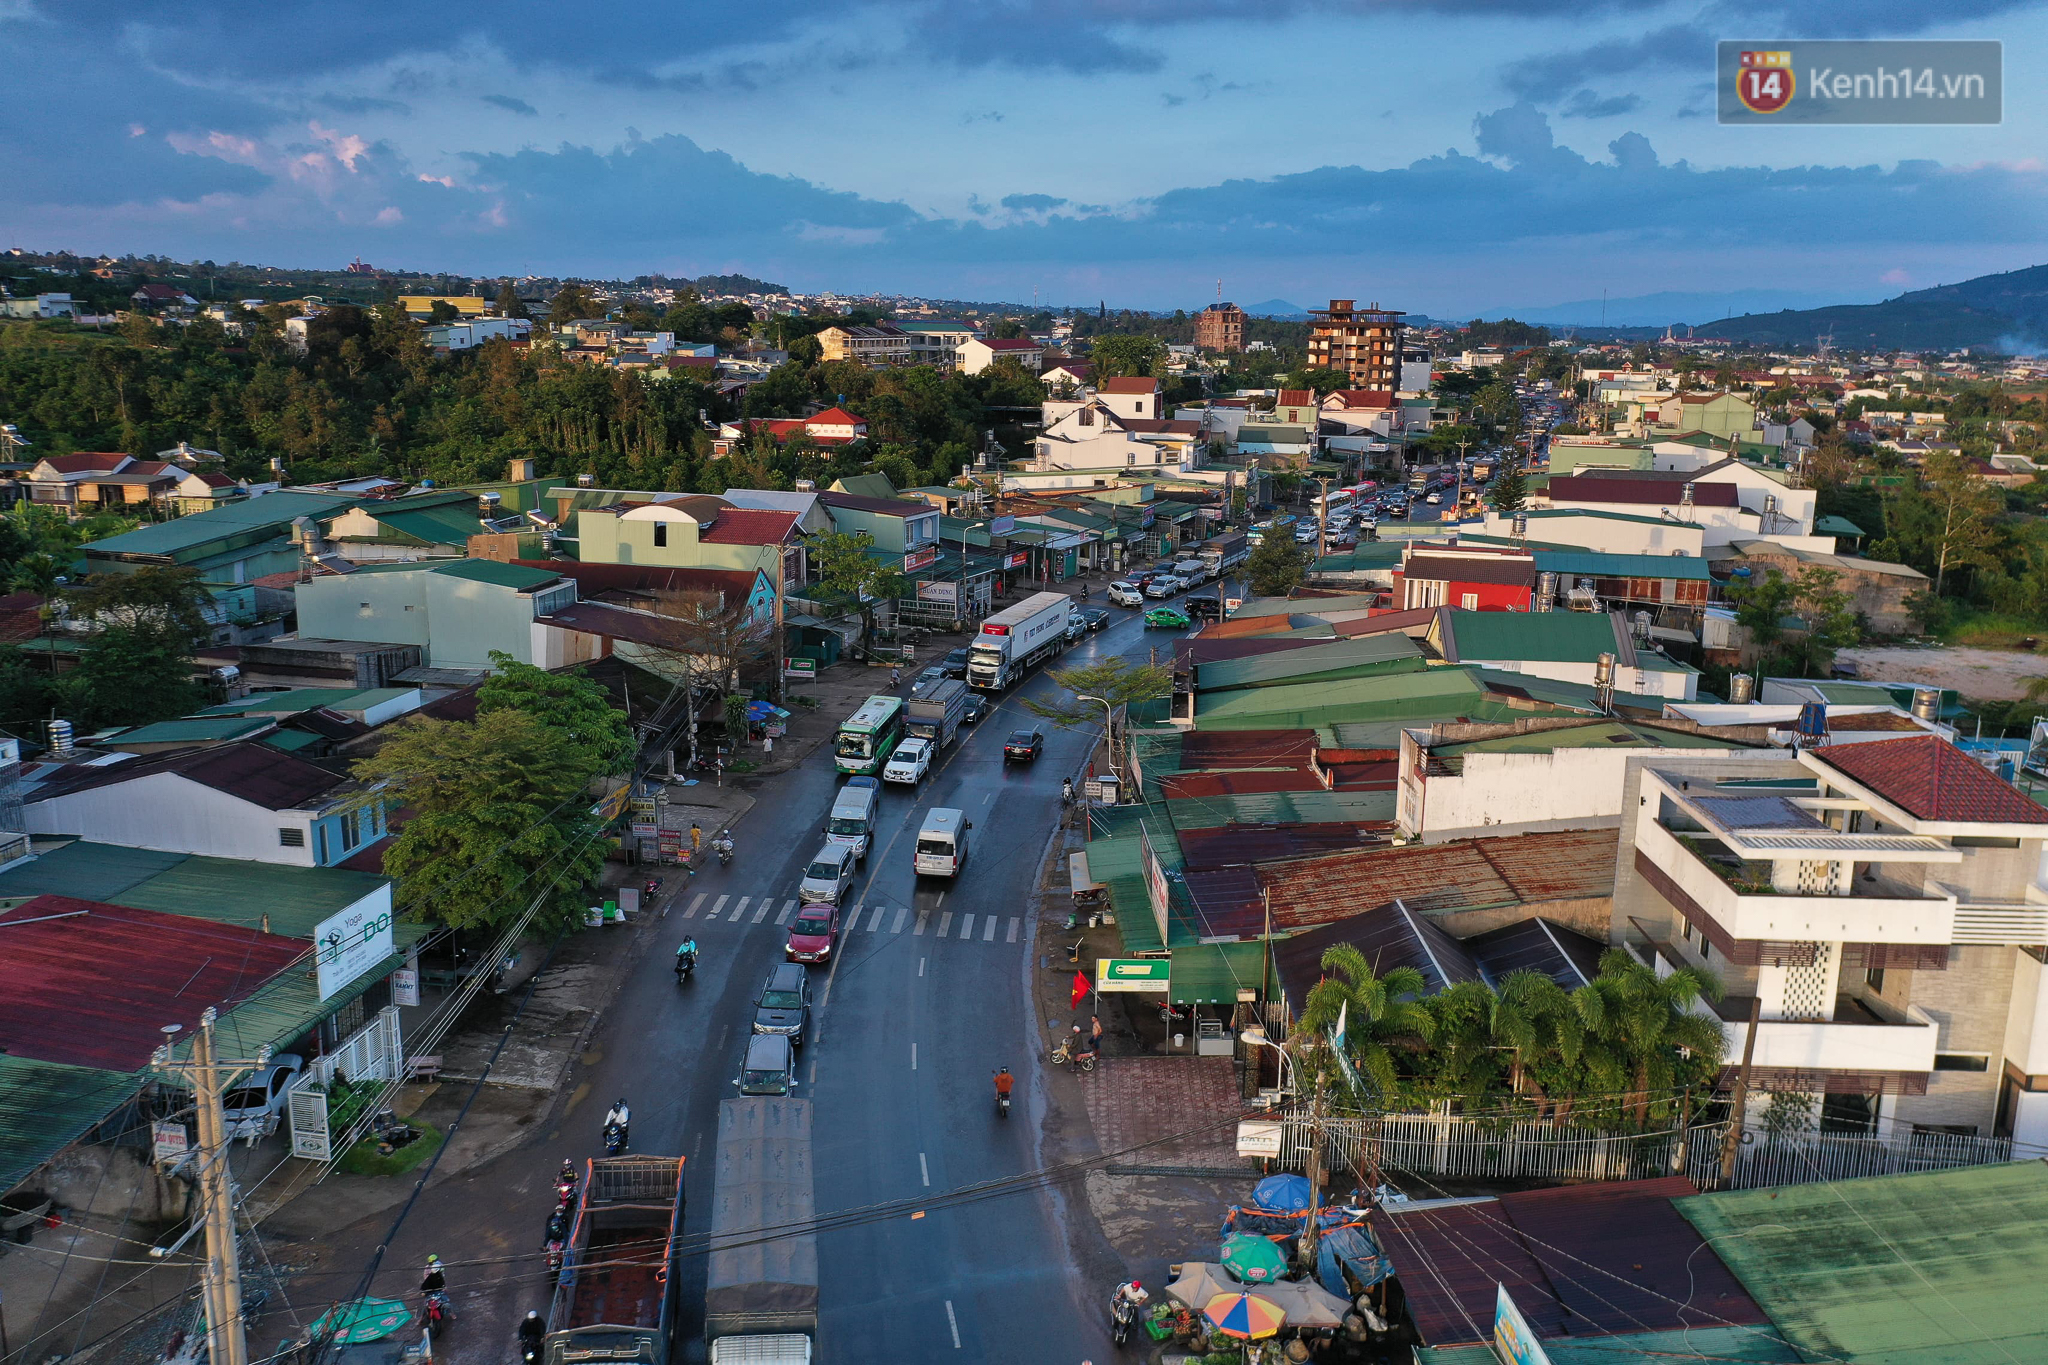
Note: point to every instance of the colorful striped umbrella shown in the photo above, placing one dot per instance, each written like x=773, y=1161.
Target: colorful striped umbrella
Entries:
x=1244, y=1315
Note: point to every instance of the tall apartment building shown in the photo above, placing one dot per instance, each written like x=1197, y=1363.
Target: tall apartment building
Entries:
x=1220, y=327
x=1882, y=906
x=1365, y=343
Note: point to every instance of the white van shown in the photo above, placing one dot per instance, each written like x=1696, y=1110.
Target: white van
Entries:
x=852, y=822
x=942, y=843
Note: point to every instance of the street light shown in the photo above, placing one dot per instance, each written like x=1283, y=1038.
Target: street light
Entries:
x=1255, y=1036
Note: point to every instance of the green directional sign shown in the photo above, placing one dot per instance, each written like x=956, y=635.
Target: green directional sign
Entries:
x=1131, y=974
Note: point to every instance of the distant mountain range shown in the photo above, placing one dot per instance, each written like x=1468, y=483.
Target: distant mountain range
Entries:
x=1658, y=310
x=1278, y=308
x=2007, y=313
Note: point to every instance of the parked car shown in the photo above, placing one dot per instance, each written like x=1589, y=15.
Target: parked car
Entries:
x=828, y=877
x=1024, y=746
x=1164, y=585
x=252, y=1108
x=1095, y=617
x=977, y=707
x=1166, y=618
x=911, y=761
x=812, y=934
x=784, y=1007
x=1126, y=594
x=955, y=662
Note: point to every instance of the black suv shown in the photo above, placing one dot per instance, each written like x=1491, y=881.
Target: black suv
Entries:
x=785, y=1004
x=955, y=663
x=1202, y=608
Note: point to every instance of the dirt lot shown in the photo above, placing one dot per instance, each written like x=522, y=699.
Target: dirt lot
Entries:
x=1985, y=674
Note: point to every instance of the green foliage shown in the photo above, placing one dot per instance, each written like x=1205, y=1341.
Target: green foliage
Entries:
x=567, y=702
x=845, y=569
x=572, y=303
x=1276, y=566
x=1507, y=332
x=365, y=1159
x=1324, y=381
x=131, y=675
x=1948, y=523
x=1816, y=598
x=1932, y=612
x=1115, y=680
x=501, y=816
x=1510, y=491
x=1120, y=356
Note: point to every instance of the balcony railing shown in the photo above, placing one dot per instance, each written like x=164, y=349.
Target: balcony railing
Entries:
x=1861, y=1041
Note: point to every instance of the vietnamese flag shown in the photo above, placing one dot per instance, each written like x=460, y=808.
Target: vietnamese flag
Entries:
x=1080, y=989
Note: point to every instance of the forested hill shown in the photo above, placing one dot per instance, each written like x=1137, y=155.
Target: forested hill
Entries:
x=2007, y=312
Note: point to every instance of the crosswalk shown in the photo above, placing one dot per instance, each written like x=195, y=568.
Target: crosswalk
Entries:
x=881, y=919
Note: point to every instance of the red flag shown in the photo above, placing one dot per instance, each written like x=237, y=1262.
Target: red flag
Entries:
x=1080, y=989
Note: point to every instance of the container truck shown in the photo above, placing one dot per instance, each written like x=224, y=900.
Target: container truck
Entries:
x=1017, y=637
x=1221, y=554
x=615, y=1297
x=761, y=1297
x=936, y=715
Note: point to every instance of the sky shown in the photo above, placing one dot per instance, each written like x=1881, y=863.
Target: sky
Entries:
x=1447, y=157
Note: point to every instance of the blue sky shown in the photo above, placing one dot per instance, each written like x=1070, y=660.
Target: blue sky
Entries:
x=1444, y=157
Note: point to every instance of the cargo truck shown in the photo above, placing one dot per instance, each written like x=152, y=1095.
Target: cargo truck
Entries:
x=615, y=1297
x=1017, y=637
x=936, y=715
x=1221, y=554
x=761, y=1296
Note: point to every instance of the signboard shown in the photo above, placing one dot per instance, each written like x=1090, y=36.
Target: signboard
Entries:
x=800, y=668
x=1148, y=974
x=929, y=591
x=917, y=559
x=1512, y=1337
x=1094, y=790
x=405, y=986
x=1017, y=559
x=1155, y=882
x=350, y=943
x=167, y=1139
x=642, y=805
x=1001, y=526
x=672, y=845
x=1258, y=1137
x=613, y=806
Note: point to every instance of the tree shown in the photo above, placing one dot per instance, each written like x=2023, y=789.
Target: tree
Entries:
x=500, y=816
x=1379, y=1012
x=1646, y=1040
x=509, y=304
x=568, y=702
x=1761, y=605
x=1324, y=381
x=1277, y=566
x=1005, y=329
x=570, y=303
x=1120, y=355
x=1510, y=491
x=1830, y=615
x=1116, y=681
x=441, y=311
x=846, y=569
x=131, y=675
x=713, y=640
x=1968, y=508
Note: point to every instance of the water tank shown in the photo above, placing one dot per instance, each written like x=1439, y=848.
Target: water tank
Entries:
x=488, y=505
x=60, y=736
x=1642, y=627
x=1741, y=688
x=806, y=486
x=1521, y=526
x=1546, y=589
x=585, y=480
x=1603, y=671
x=1927, y=703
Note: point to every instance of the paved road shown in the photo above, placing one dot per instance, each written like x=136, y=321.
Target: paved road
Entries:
x=929, y=993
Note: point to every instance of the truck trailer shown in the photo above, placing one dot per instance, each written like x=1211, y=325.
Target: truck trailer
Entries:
x=1222, y=553
x=615, y=1300
x=936, y=715
x=761, y=1295
x=1014, y=639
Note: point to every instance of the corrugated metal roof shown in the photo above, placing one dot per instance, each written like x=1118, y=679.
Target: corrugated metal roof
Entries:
x=1284, y=808
x=1593, y=735
x=448, y=525
x=1374, y=654
x=1202, y=786
x=192, y=730
x=1290, y=606
x=1539, y=636
x=234, y=891
x=47, y=1106
x=89, y=871
x=1737, y=1345
x=1223, y=845
x=1463, y=874
x=1207, y=751
x=258, y=775
x=273, y=512
x=1389, y=937
x=1211, y=973
x=1568, y=957
x=90, y=984
x=1692, y=568
x=1934, y=1268
x=1434, y=693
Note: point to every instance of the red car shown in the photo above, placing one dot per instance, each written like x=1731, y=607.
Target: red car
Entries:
x=812, y=934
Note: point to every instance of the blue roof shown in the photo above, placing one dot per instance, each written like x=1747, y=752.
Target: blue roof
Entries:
x=1605, y=565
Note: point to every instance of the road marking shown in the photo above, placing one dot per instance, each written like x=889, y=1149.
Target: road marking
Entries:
x=945, y=923
x=717, y=907
x=921, y=920
x=967, y=926
x=986, y=799
x=988, y=935
x=814, y=1081
x=722, y=1034
x=782, y=917
x=767, y=904
x=920, y=966
x=924, y=1171
x=902, y=914
x=913, y=1056
x=702, y=896
x=953, y=1323
x=1011, y=937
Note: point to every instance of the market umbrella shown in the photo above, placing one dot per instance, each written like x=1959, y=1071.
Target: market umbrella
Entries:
x=1201, y=1281
x=1244, y=1315
x=1252, y=1259
x=1306, y=1305
x=351, y=1324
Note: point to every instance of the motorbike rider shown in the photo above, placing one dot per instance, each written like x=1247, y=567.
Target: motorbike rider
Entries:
x=620, y=1115
x=436, y=1279
x=1004, y=1082
x=1067, y=789
x=1130, y=1292
x=722, y=845
x=531, y=1332
x=686, y=955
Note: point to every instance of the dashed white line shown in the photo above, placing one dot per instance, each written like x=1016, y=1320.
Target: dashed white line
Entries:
x=913, y=1055
x=920, y=966
x=953, y=1323
x=814, y=1071
x=1011, y=937
x=924, y=1171
x=702, y=896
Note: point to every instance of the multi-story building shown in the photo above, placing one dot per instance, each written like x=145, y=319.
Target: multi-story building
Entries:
x=1220, y=327
x=1365, y=343
x=1881, y=908
x=874, y=347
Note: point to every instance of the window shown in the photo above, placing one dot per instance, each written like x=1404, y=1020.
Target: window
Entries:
x=320, y=835
x=1981, y=841
x=1961, y=1061
x=661, y=534
x=291, y=838
x=351, y=830
x=1087, y=417
x=1469, y=601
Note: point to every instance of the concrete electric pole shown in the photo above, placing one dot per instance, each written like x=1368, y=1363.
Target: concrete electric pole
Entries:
x=208, y=1076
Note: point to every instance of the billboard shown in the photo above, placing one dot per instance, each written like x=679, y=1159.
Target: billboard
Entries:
x=347, y=944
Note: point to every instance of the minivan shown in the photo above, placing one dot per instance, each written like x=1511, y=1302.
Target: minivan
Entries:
x=828, y=876
x=852, y=823
x=942, y=843
x=785, y=1004
x=770, y=1068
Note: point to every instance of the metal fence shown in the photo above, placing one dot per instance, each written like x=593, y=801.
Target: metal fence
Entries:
x=1447, y=1146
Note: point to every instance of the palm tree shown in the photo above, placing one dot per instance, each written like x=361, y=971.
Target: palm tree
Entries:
x=1532, y=1018
x=1462, y=1063
x=1377, y=1010
x=1642, y=1030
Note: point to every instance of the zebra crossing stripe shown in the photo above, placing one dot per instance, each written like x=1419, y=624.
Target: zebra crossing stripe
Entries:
x=782, y=916
x=702, y=896
x=902, y=914
x=967, y=925
x=1011, y=937
x=767, y=904
x=945, y=922
x=988, y=935
x=875, y=920
x=718, y=907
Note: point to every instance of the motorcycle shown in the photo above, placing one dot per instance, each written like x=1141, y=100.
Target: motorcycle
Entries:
x=557, y=1237
x=686, y=966
x=1065, y=1053
x=438, y=1310
x=652, y=889
x=614, y=1139
x=723, y=847
x=1122, y=1315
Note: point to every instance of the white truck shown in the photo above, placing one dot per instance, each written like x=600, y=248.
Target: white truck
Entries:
x=1017, y=637
x=936, y=715
x=761, y=1296
x=1221, y=554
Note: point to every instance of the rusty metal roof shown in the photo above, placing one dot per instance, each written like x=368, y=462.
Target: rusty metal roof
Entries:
x=1227, y=845
x=1437, y=878
x=92, y=985
x=1195, y=786
x=1580, y=1261
x=1209, y=750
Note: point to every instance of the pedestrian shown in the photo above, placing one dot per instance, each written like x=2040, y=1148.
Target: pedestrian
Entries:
x=1095, y=1032
x=696, y=837
x=895, y=677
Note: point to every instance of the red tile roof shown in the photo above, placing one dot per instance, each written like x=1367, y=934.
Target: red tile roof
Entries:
x=94, y=988
x=1011, y=344
x=748, y=526
x=1364, y=398
x=835, y=417
x=86, y=461
x=1218, y=750
x=1931, y=779
x=1128, y=384
x=1505, y=570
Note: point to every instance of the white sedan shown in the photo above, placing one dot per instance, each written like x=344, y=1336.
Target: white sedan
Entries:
x=911, y=761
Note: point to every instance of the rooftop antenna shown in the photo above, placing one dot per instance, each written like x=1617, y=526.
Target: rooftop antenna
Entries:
x=1219, y=291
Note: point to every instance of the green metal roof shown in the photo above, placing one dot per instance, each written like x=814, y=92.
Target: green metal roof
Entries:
x=1366, y=556
x=234, y=891
x=449, y=525
x=290, y=741
x=289, y=702
x=271, y=512
x=1211, y=973
x=516, y=576
x=1933, y=1268
x=1305, y=606
x=1374, y=654
x=1535, y=514
x=47, y=1106
x=1535, y=636
x=1299, y=808
x=1836, y=526
x=1431, y=694
x=193, y=730
x=1741, y=1345
x=1611, y=734
x=88, y=871
x=1599, y=565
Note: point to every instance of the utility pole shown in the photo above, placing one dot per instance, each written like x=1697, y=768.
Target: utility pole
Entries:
x=1731, y=1139
x=227, y=1342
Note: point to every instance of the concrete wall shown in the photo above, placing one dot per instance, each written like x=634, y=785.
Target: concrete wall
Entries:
x=166, y=812
x=470, y=619
x=388, y=607
x=1517, y=793
x=1971, y=1003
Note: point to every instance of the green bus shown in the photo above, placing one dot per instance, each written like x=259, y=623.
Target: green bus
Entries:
x=868, y=736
